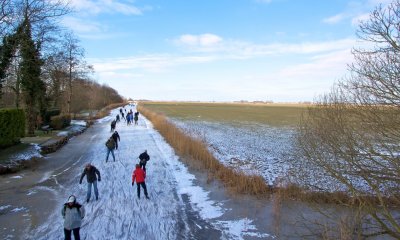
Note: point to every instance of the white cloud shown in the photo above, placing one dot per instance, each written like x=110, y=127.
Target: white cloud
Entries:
x=82, y=26
x=229, y=51
x=104, y=6
x=149, y=63
x=356, y=11
x=334, y=19
x=210, y=43
x=203, y=40
x=355, y=21
x=320, y=66
x=317, y=66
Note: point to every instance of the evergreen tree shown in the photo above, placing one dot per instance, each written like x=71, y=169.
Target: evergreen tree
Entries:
x=7, y=50
x=32, y=86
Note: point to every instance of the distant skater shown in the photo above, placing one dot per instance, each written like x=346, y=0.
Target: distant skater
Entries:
x=128, y=118
x=113, y=123
x=116, y=138
x=110, y=144
x=91, y=171
x=117, y=119
x=136, y=118
x=73, y=213
x=139, y=176
x=143, y=157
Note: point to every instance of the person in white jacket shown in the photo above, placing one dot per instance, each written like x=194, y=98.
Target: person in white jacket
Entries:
x=73, y=213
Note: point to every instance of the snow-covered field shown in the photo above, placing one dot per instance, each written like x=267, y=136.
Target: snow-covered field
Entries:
x=254, y=148
x=264, y=150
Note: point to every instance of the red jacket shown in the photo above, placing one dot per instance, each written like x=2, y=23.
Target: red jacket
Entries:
x=139, y=174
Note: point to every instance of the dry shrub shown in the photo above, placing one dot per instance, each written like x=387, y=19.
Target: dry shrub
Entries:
x=106, y=110
x=195, y=150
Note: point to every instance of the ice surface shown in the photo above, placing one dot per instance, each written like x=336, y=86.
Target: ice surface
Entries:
x=119, y=214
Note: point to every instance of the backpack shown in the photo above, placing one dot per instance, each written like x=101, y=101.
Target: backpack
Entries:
x=110, y=143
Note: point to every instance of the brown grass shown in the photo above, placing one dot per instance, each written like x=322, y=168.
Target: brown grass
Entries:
x=187, y=147
x=106, y=110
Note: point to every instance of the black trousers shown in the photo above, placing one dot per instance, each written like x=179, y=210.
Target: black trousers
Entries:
x=143, y=165
x=143, y=184
x=67, y=234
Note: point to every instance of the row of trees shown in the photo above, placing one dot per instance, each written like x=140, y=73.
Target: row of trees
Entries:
x=352, y=134
x=42, y=65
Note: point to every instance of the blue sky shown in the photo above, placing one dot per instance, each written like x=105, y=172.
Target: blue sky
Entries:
x=219, y=50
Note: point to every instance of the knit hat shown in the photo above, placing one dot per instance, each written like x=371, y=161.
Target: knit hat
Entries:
x=71, y=199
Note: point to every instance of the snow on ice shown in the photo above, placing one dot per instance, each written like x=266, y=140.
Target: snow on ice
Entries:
x=119, y=214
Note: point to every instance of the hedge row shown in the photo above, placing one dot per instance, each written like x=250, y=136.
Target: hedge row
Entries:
x=12, y=126
x=60, y=122
x=50, y=113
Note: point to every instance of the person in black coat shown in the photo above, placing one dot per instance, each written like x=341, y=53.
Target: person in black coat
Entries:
x=116, y=138
x=144, y=157
x=91, y=171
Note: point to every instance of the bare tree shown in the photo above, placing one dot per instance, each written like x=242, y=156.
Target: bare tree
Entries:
x=55, y=75
x=352, y=134
x=6, y=13
x=74, y=55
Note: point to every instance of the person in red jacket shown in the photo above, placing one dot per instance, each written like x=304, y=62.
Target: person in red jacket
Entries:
x=139, y=175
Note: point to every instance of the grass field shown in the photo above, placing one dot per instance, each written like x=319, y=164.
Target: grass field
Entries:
x=271, y=114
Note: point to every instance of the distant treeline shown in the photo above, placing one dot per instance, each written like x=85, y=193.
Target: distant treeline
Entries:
x=87, y=94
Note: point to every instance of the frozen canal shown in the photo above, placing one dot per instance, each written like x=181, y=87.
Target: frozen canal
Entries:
x=180, y=206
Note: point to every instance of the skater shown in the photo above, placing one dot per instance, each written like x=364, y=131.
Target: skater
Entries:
x=116, y=138
x=110, y=144
x=73, y=213
x=144, y=157
x=113, y=123
x=139, y=175
x=136, y=118
x=117, y=118
x=123, y=116
x=128, y=118
x=90, y=171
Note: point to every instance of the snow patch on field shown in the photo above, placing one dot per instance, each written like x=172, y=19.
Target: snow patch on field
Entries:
x=79, y=122
x=33, y=150
x=16, y=177
x=4, y=207
x=253, y=148
x=62, y=134
x=18, y=209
